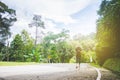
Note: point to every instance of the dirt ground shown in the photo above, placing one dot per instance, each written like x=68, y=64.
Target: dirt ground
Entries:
x=108, y=75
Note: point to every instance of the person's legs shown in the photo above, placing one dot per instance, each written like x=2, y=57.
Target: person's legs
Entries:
x=76, y=62
x=79, y=63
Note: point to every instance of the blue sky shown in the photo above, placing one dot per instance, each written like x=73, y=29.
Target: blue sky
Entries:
x=78, y=16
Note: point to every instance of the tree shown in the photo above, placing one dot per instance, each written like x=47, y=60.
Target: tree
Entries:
x=37, y=22
x=56, y=48
x=65, y=51
x=17, y=46
x=28, y=45
x=21, y=48
x=49, y=47
x=7, y=17
x=87, y=43
x=108, y=30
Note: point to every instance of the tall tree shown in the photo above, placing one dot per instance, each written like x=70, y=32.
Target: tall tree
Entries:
x=37, y=22
x=7, y=17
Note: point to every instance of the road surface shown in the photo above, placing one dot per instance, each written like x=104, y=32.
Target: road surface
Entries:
x=50, y=72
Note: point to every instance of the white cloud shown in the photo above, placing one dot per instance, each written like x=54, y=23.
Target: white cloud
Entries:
x=23, y=24
x=60, y=19
x=51, y=27
x=19, y=26
x=84, y=26
x=56, y=10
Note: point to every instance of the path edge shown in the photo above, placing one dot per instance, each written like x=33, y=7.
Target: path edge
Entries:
x=99, y=74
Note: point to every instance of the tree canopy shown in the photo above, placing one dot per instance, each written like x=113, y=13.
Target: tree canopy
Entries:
x=108, y=30
x=7, y=17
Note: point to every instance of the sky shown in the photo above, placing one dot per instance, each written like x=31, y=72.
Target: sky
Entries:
x=77, y=16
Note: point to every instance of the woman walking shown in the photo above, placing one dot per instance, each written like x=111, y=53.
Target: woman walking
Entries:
x=78, y=57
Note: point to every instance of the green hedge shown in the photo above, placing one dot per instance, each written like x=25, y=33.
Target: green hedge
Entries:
x=113, y=64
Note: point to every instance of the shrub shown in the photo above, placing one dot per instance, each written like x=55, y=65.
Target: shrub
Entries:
x=104, y=53
x=112, y=64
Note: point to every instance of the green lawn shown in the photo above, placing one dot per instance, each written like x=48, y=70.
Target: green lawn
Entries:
x=16, y=63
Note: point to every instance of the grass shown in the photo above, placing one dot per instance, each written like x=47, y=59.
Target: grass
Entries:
x=95, y=65
x=16, y=63
x=113, y=64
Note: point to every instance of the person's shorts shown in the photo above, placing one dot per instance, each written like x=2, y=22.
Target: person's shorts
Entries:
x=78, y=60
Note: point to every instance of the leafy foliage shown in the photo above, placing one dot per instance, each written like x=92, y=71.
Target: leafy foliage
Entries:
x=55, y=47
x=17, y=47
x=112, y=64
x=108, y=30
x=7, y=17
x=20, y=48
x=87, y=43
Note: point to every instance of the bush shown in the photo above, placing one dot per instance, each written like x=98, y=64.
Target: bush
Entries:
x=112, y=64
x=104, y=53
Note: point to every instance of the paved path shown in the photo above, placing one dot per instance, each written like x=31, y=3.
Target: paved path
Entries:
x=6, y=71
x=48, y=72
